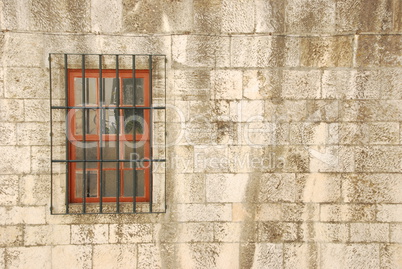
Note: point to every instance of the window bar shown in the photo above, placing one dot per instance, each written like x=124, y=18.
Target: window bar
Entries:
x=84, y=131
x=150, y=134
x=67, y=136
x=134, y=141
x=165, y=194
x=118, y=135
x=51, y=135
x=101, y=97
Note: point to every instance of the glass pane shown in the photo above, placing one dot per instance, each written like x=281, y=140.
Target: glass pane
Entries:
x=133, y=151
x=109, y=153
x=132, y=119
x=78, y=121
x=128, y=183
x=110, y=91
x=91, y=184
x=110, y=121
x=91, y=119
x=109, y=181
x=128, y=91
x=90, y=93
x=91, y=154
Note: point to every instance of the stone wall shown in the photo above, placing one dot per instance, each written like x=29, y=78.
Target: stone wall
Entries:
x=286, y=152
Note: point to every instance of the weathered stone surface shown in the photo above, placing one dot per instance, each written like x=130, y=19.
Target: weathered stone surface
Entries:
x=10, y=154
x=24, y=50
x=114, y=256
x=190, y=188
x=391, y=256
x=191, y=84
x=261, y=84
x=347, y=212
x=327, y=51
x=11, y=110
x=278, y=187
x=300, y=212
x=349, y=256
x=33, y=134
x=324, y=232
x=24, y=215
x=11, y=236
x=185, y=232
x=40, y=162
x=269, y=16
x=320, y=187
x=200, y=51
x=364, y=16
x=47, y=235
x=26, y=83
x=376, y=50
x=369, y=232
x=36, y=110
x=34, y=190
x=9, y=190
x=277, y=231
x=203, y=212
x=389, y=213
x=8, y=131
x=226, y=187
x=74, y=256
x=130, y=233
x=310, y=16
x=112, y=10
x=370, y=110
x=300, y=84
x=89, y=234
x=33, y=257
x=300, y=255
x=378, y=159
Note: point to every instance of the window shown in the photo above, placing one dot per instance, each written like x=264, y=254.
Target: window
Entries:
x=111, y=125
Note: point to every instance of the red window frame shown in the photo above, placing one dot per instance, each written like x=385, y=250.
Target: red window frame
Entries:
x=75, y=138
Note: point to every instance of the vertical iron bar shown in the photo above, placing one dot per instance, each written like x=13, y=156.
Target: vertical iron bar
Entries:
x=118, y=135
x=165, y=150
x=51, y=135
x=101, y=97
x=84, y=174
x=134, y=141
x=150, y=135
x=67, y=133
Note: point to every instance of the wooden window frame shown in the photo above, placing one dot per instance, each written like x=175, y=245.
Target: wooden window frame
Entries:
x=75, y=138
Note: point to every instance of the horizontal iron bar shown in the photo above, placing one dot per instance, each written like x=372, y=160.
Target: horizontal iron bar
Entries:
x=107, y=107
x=108, y=54
x=107, y=161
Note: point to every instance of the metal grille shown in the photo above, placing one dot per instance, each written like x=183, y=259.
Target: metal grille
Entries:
x=60, y=66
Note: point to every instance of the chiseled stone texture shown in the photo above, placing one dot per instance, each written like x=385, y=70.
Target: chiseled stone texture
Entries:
x=32, y=257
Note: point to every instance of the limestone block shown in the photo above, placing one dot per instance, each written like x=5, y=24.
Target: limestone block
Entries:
x=349, y=256
x=15, y=15
x=156, y=17
x=235, y=232
x=384, y=133
x=33, y=257
x=26, y=82
x=374, y=50
x=245, y=159
x=261, y=84
x=36, y=110
x=322, y=110
x=89, y=234
x=331, y=158
x=40, y=161
x=327, y=51
x=269, y=16
x=286, y=110
x=46, y=235
x=265, y=255
x=320, y=187
x=2, y=259
x=353, y=133
x=391, y=78
x=396, y=233
x=307, y=133
x=299, y=255
x=398, y=16
x=130, y=233
x=379, y=110
x=237, y=16
x=70, y=16
x=191, y=84
x=200, y=51
x=391, y=256
x=157, y=256
x=226, y=84
x=378, y=159
x=73, y=256
x=24, y=50
x=278, y=187
x=247, y=111
x=34, y=189
x=291, y=158
x=112, y=10
x=33, y=133
x=347, y=212
x=300, y=84
x=203, y=212
x=389, y=213
x=269, y=212
x=9, y=190
x=9, y=154
x=25, y=215
x=211, y=159
x=208, y=255
x=226, y=188
x=8, y=131
x=11, y=236
x=207, y=16
x=300, y=212
x=319, y=232
x=11, y=110
x=185, y=232
x=369, y=232
x=336, y=83
x=277, y=231
x=114, y=256
x=311, y=16
x=189, y=188
x=364, y=16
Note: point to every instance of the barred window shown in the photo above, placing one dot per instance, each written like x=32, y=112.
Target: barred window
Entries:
x=113, y=120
